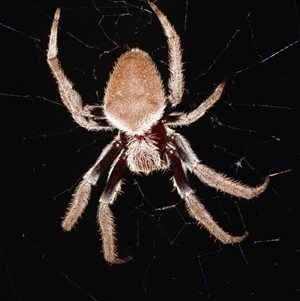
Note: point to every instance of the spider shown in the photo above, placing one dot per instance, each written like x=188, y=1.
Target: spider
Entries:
x=136, y=104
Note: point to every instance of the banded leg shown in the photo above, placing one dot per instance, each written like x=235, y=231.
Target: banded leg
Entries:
x=211, y=177
x=105, y=216
x=194, y=207
x=83, y=190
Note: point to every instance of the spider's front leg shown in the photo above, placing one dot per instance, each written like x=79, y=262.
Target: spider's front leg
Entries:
x=211, y=177
x=83, y=190
x=195, y=208
x=105, y=216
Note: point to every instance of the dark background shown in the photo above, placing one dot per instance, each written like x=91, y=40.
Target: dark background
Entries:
x=252, y=132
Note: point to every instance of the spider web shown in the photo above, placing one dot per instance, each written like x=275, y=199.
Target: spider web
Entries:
x=249, y=134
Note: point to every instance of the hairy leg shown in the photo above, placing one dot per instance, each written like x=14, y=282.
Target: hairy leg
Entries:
x=176, y=80
x=194, y=207
x=211, y=177
x=83, y=190
x=70, y=98
x=183, y=119
x=105, y=216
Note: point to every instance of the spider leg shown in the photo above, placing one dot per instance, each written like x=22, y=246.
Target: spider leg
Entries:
x=105, y=216
x=83, y=190
x=181, y=119
x=211, y=177
x=176, y=80
x=70, y=98
x=194, y=207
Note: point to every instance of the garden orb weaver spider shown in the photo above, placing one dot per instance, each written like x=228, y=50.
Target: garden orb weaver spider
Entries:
x=136, y=104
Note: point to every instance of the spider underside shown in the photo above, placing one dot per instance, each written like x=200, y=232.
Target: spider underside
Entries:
x=135, y=103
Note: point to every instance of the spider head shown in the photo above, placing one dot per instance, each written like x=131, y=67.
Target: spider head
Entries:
x=134, y=98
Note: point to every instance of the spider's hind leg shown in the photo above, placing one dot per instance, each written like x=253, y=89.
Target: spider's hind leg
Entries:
x=176, y=80
x=69, y=96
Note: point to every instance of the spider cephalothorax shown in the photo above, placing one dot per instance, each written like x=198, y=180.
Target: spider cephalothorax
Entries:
x=135, y=103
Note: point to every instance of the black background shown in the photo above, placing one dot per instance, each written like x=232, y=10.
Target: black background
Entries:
x=256, y=43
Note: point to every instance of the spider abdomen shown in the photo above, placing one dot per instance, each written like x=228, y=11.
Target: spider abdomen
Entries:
x=134, y=98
